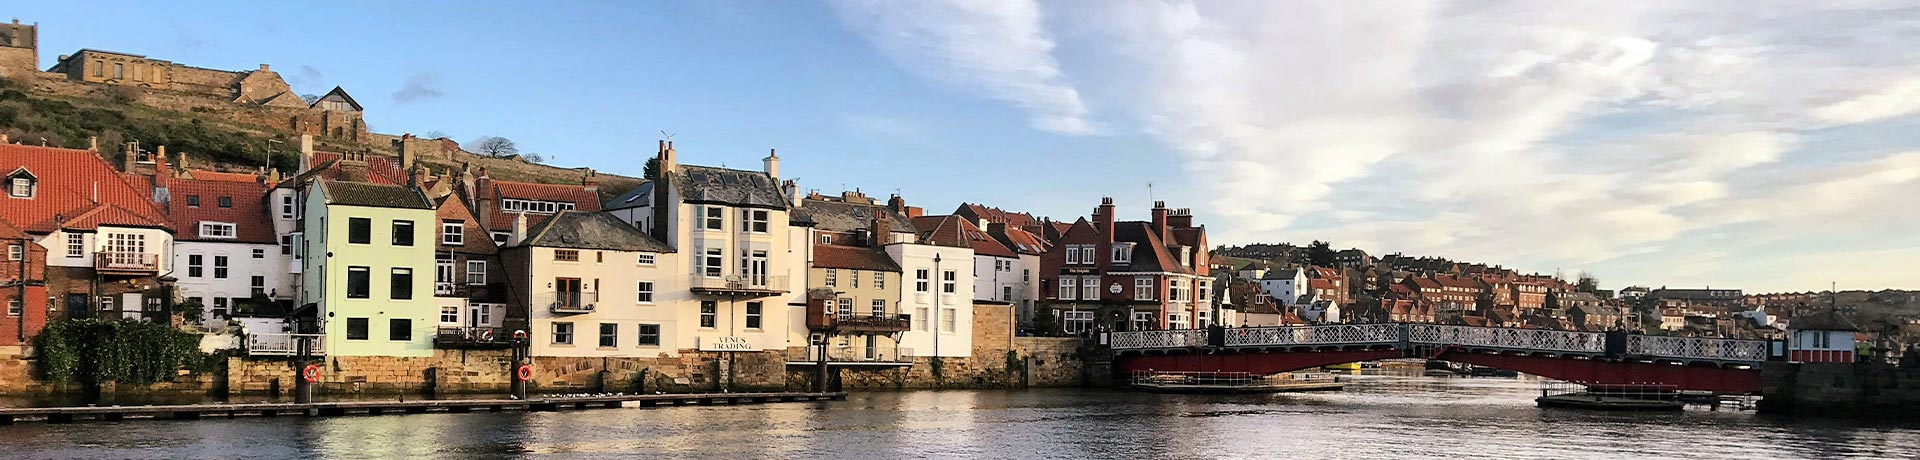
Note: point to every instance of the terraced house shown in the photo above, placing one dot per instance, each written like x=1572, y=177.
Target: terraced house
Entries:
x=596, y=286
x=1132, y=275
x=370, y=255
x=109, y=244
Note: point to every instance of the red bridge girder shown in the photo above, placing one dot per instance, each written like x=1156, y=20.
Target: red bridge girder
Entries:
x=1591, y=372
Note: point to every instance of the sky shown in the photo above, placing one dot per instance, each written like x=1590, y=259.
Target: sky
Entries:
x=1767, y=146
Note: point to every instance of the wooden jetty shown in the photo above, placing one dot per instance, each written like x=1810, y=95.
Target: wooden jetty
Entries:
x=421, y=406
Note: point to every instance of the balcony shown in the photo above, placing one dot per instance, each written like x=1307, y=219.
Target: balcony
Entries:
x=283, y=344
x=853, y=356
x=822, y=318
x=446, y=289
x=568, y=302
x=737, y=285
x=472, y=337
x=126, y=263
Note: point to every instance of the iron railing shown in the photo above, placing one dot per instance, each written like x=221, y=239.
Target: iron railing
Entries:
x=747, y=283
x=1313, y=335
x=1697, y=348
x=446, y=289
x=283, y=344
x=126, y=261
x=1507, y=338
x=567, y=302
x=1173, y=338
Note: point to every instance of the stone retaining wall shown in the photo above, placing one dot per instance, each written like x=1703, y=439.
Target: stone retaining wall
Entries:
x=1840, y=389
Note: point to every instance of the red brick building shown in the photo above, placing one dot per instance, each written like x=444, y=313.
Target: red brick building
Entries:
x=109, y=242
x=1131, y=275
x=23, y=286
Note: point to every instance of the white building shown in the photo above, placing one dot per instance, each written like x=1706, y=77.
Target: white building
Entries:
x=226, y=247
x=730, y=228
x=933, y=291
x=1286, y=285
x=598, y=287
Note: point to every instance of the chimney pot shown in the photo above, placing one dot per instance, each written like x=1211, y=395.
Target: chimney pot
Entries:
x=263, y=68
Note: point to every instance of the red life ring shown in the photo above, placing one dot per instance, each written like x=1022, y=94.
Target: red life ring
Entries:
x=486, y=335
x=525, y=372
x=311, y=373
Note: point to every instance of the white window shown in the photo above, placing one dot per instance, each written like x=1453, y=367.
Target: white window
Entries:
x=711, y=217
x=826, y=239
x=453, y=233
x=645, y=289
x=1206, y=290
x=949, y=318
x=920, y=280
x=449, y=314
x=1123, y=252
x=259, y=253
x=846, y=307
x=879, y=307
x=712, y=260
x=753, y=220
x=21, y=187
x=646, y=259
x=476, y=272
x=500, y=238
x=1177, y=320
x=948, y=279
x=1068, y=285
x=286, y=207
x=216, y=230
x=1143, y=288
x=16, y=252
x=1144, y=320
x=1074, y=322
x=563, y=333
x=1073, y=254
x=1090, y=288
x=14, y=308
x=76, y=245
x=921, y=319
x=879, y=280
x=833, y=277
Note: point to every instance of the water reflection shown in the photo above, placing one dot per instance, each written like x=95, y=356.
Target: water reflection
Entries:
x=1377, y=417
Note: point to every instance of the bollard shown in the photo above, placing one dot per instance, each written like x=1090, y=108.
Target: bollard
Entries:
x=302, y=384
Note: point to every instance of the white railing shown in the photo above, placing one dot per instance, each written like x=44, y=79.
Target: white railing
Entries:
x=852, y=354
x=1178, y=338
x=1508, y=338
x=283, y=344
x=1697, y=348
x=1313, y=335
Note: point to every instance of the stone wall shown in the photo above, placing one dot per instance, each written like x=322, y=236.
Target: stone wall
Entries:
x=1840, y=389
x=486, y=371
x=999, y=360
x=18, y=63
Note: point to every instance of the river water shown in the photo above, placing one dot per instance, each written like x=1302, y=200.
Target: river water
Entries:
x=1376, y=417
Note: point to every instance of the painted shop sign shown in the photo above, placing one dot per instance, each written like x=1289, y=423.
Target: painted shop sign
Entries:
x=726, y=344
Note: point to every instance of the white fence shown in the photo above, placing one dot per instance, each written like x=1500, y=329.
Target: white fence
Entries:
x=1177, y=338
x=1313, y=335
x=1698, y=348
x=283, y=344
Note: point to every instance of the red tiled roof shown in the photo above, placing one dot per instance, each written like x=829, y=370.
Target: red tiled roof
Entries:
x=381, y=169
x=500, y=220
x=852, y=257
x=249, y=213
x=995, y=215
x=225, y=176
x=67, y=182
x=1320, y=283
x=1023, y=241
x=958, y=232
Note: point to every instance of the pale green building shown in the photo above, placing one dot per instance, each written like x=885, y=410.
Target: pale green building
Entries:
x=369, y=268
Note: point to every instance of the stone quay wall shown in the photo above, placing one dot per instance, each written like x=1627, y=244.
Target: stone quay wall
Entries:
x=1840, y=390
x=999, y=360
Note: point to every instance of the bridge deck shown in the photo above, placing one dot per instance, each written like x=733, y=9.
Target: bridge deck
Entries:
x=1411, y=336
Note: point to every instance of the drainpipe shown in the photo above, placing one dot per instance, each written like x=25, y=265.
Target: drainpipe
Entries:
x=934, y=322
x=25, y=253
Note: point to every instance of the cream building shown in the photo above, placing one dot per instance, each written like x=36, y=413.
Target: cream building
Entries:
x=597, y=287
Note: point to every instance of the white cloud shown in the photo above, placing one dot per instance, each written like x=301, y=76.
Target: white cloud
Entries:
x=998, y=48
x=1543, y=135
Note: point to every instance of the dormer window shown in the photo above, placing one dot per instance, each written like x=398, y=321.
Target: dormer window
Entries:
x=22, y=184
x=221, y=230
x=1123, y=252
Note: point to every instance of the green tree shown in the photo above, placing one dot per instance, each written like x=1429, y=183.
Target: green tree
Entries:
x=652, y=170
x=1587, y=283
x=1045, y=321
x=1320, y=253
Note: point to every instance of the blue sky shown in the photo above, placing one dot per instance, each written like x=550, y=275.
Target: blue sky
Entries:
x=1767, y=146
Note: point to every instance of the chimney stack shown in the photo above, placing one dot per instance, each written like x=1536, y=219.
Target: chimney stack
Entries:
x=93, y=142
x=590, y=180
x=1160, y=220
x=662, y=187
x=882, y=229
x=1180, y=218
x=519, y=230
x=1103, y=217
x=772, y=163
x=407, y=153
x=306, y=152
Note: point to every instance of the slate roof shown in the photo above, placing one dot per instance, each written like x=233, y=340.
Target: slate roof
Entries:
x=732, y=187
x=632, y=199
x=591, y=230
x=67, y=181
x=955, y=231
x=852, y=257
x=374, y=195
x=995, y=215
x=1149, y=252
x=343, y=96
x=249, y=213
x=839, y=216
x=1287, y=274
x=381, y=169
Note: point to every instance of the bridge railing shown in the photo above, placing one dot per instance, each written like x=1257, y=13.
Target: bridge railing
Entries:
x=1176, y=338
x=1342, y=334
x=1507, y=338
x=1698, y=348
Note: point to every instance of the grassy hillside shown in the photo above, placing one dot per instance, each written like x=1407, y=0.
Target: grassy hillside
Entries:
x=30, y=117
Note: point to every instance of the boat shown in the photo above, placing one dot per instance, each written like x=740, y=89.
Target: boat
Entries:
x=1590, y=401
x=1483, y=371
x=1234, y=383
x=1345, y=367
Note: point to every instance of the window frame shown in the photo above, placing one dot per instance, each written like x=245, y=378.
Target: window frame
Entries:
x=476, y=277
x=359, y=230
x=219, y=230
x=562, y=330
x=400, y=329
x=365, y=281
x=400, y=283
x=453, y=233
x=755, y=310
x=403, y=238
x=645, y=339
x=609, y=339
x=643, y=292
x=366, y=328
x=709, y=314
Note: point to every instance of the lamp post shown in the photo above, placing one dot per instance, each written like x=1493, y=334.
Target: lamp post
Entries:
x=934, y=322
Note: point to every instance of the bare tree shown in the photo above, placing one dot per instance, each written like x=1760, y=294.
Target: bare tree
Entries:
x=309, y=97
x=494, y=146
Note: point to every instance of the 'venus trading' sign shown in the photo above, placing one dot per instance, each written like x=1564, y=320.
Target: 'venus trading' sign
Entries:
x=726, y=344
